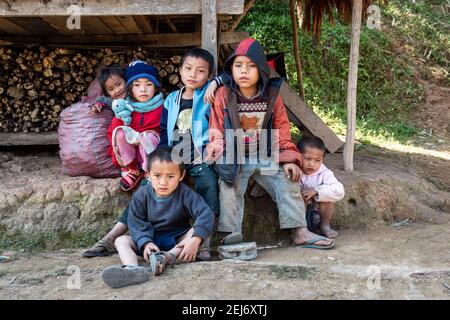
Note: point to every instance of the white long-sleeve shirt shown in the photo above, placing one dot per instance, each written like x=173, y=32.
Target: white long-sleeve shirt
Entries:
x=329, y=189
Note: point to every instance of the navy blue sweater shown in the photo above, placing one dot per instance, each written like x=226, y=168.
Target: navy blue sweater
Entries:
x=148, y=214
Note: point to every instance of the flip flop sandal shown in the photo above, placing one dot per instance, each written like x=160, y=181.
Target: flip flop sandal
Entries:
x=311, y=243
x=131, y=180
x=159, y=258
x=108, y=249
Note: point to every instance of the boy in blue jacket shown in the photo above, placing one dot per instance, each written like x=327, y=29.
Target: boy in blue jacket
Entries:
x=185, y=122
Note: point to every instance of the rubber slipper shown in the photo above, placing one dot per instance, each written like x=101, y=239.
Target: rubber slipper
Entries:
x=118, y=277
x=159, y=258
x=108, y=249
x=311, y=243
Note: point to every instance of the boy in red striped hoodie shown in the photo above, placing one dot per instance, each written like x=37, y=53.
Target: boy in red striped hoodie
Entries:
x=248, y=112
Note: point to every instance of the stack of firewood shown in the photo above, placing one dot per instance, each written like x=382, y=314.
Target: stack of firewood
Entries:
x=37, y=84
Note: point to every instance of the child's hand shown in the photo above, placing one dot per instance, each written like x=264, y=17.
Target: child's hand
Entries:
x=209, y=94
x=308, y=194
x=292, y=171
x=97, y=107
x=190, y=248
x=148, y=249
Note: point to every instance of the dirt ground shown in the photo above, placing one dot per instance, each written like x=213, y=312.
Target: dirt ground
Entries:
x=384, y=263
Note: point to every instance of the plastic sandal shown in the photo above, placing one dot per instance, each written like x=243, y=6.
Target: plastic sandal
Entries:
x=131, y=180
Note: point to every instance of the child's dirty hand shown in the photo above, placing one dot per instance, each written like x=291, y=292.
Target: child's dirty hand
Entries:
x=148, y=249
x=97, y=107
x=210, y=91
x=292, y=172
x=213, y=152
x=190, y=247
x=308, y=194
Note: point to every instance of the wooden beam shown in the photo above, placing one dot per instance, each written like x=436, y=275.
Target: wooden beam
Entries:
x=114, y=24
x=129, y=24
x=35, y=25
x=7, y=26
x=95, y=25
x=171, y=26
x=209, y=28
x=29, y=139
x=167, y=40
x=60, y=24
x=34, y=8
x=303, y=117
x=236, y=22
x=145, y=23
x=352, y=85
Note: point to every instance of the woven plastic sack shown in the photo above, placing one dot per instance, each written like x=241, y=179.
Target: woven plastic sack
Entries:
x=82, y=138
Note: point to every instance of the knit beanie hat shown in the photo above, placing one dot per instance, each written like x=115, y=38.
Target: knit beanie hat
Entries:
x=139, y=69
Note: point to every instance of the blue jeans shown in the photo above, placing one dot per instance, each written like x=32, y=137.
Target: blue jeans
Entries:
x=286, y=194
x=206, y=185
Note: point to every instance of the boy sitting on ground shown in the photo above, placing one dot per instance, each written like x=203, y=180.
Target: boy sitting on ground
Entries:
x=159, y=223
x=320, y=188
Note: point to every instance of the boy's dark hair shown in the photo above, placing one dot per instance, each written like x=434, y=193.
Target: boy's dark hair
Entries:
x=310, y=141
x=202, y=54
x=107, y=72
x=163, y=153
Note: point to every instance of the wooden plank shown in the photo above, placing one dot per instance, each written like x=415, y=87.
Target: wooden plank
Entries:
x=95, y=25
x=304, y=118
x=35, y=25
x=198, y=23
x=114, y=24
x=34, y=8
x=60, y=24
x=167, y=40
x=29, y=139
x=7, y=26
x=129, y=24
x=209, y=28
x=145, y=23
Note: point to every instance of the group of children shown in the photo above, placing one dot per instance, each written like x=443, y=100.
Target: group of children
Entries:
x=209, y=130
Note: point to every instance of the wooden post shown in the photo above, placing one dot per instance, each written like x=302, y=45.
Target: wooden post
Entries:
x=209, y=28
x=352, y=86
x=298, y=62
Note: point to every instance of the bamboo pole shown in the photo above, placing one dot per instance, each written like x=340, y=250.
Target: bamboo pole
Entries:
x=298, y=62
x=352, y=85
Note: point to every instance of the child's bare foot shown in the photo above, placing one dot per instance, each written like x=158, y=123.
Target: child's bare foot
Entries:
x=327, y=231
x=302, y=236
